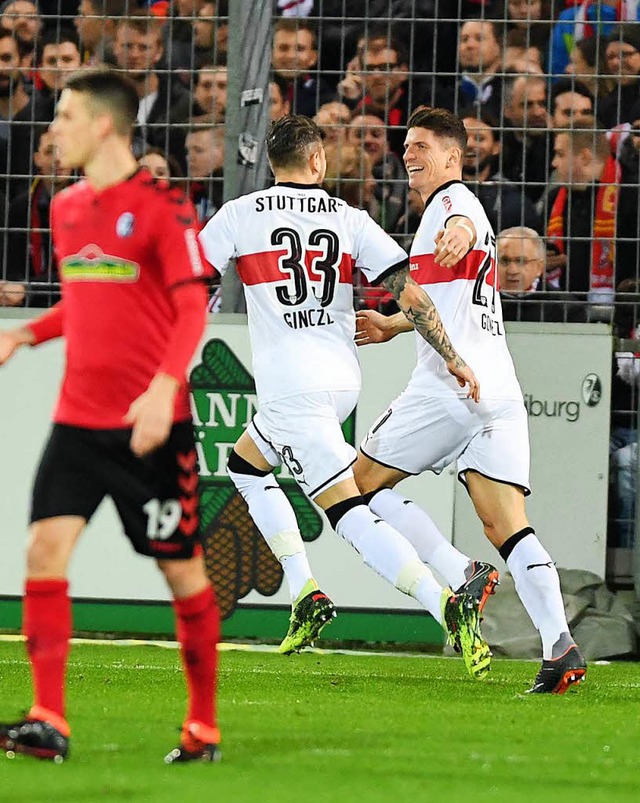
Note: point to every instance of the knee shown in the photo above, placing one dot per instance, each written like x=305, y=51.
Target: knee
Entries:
x=184, y=577
x=46, y=555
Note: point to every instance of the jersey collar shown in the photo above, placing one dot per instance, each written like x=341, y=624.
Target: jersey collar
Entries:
x=440, y=188
x=296, y=186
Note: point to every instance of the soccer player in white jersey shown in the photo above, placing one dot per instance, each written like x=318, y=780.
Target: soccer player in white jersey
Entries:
x=432, y=424
x=296, y=248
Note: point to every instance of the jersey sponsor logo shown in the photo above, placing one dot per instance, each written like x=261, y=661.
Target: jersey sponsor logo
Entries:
x=92, y=264
x=191, y=240
x=125, y=224
x=237, y=558
x=446, y=202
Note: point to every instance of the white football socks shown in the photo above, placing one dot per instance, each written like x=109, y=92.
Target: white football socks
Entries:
x=390, y=555
x=275, y=518
x=420, y=530
x=538, y=586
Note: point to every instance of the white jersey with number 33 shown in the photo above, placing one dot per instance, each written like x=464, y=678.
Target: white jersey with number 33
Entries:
x=296, y=249
x=466, y=296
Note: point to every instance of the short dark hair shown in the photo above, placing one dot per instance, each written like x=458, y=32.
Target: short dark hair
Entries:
x=379, y=32
x=108, y=90
x=291, y=140
x=442, y=122
x=56, y=36
x=483, y=115
x=570, y=85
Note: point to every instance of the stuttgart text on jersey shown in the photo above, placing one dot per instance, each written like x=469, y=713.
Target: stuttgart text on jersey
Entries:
x=314, y=204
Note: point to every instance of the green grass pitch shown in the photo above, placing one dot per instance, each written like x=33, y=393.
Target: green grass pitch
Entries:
x=332, y=728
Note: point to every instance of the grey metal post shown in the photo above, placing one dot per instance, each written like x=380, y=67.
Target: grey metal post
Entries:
x=247, y=115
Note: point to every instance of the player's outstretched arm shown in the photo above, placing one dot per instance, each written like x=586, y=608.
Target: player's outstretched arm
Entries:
x=455, y=241
x=420, y=310
x=373, y=327
x=12, y=339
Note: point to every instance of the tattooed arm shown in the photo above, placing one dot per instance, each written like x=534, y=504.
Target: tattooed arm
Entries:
x=418, y=312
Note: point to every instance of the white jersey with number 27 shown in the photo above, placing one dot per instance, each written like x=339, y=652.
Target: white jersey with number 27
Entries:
x=466, y=296
x=296, y=249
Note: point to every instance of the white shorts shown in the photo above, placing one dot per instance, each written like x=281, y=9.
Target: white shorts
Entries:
x=419, y=433
x=304, y=433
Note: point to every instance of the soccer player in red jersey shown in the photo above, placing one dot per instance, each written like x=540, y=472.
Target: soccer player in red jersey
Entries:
x=132, y=314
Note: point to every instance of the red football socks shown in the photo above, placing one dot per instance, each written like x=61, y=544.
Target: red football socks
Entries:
x=47, y=627
x=198, y=631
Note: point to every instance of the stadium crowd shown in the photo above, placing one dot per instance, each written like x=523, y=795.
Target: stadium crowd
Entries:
x=549, y=91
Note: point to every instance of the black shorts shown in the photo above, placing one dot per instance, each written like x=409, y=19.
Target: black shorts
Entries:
x=156, y=496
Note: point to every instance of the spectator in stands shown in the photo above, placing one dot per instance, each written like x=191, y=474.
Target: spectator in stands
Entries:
x=164, y=101
x=623, y=64
x=205, y=165
x=525, y=293
x=280, y=106
x=583, y=21
x=528, y=18
x=521, y=253
x=333, y=119
x=22, y=18
x=57, y=54
x=480, y=61
x=210, y=94
x=504, y=202
x=571, y=102
x=588, y=64
x=95, y=23
x=205, y=44
x=18, y=112
x=178, y=34
x=32, y=259
x=382, y=85
x=585, y=217
x=525, y=142
x=295, y=58
x=520, y=55
x=161, y=165
x=367, y=132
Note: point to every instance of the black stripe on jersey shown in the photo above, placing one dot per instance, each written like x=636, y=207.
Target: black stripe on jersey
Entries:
x=317, y=490
x=388, y=465
x=439, y=189
x=463, y=480
x=393, y=269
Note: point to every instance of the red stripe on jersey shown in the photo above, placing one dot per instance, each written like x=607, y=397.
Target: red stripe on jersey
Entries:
x=425, y=271
x=264, y=267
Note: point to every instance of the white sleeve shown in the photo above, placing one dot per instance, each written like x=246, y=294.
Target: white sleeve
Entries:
x=218, y=238
x=375, y=252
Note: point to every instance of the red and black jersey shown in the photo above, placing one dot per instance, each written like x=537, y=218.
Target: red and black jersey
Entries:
x=120, y=251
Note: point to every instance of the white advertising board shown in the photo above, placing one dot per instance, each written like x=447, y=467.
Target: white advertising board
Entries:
x=569, y=418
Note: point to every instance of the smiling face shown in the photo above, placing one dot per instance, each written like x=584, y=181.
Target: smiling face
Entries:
x=430, y=160
x=482, y=148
